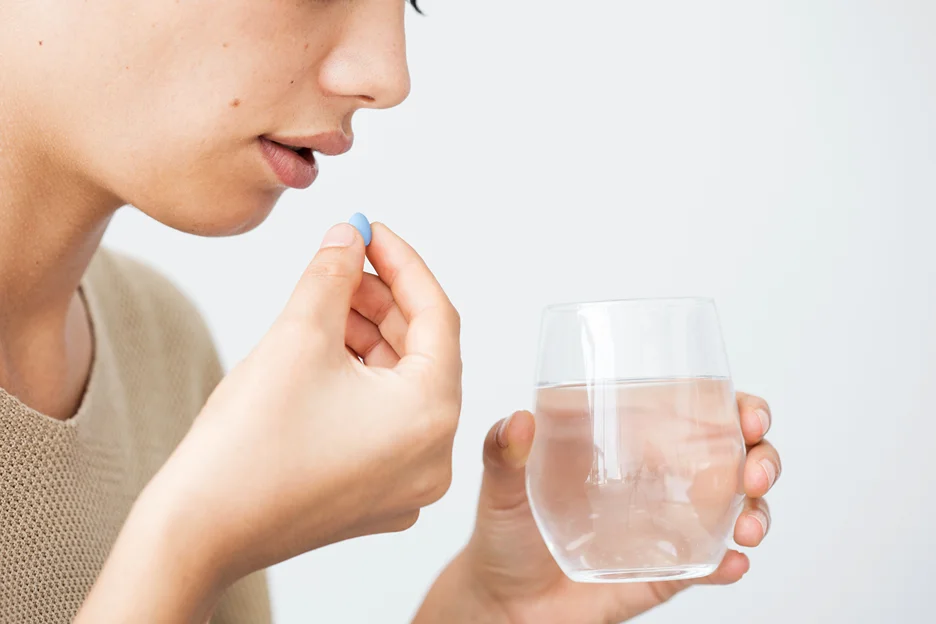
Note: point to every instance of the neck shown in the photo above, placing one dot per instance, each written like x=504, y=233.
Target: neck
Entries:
x=51, y=222
x=52, y=219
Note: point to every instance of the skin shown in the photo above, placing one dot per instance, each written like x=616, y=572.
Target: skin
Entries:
x=160, y=105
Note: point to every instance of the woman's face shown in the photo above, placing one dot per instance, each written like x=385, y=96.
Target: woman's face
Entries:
x=163, y=103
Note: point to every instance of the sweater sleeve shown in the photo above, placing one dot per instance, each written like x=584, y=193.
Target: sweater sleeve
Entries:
x=245, y=602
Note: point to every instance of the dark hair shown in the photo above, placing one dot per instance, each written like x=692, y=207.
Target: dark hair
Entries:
x=413, y=2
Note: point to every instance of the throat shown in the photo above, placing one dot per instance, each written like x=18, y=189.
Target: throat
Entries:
x=47, y=366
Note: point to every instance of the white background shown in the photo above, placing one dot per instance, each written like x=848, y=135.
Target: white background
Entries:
x=778, y=156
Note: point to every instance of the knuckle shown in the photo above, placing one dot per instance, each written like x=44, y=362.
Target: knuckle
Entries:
x=436, y=429
x=444, y=484
x=327, y=270
x=403, y=522
x=439, y=405
x=289, y=329
x=433, y=446
x=455, y=318
x=445, y=420
x=295, y=336
x=404, y=270
x=383, y=310
x=434, y=485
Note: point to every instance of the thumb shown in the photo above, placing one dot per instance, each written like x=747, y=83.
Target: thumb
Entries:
x=506, y=449
x=323, y=295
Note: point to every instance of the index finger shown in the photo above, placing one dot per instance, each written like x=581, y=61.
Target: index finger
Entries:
x=434, y=325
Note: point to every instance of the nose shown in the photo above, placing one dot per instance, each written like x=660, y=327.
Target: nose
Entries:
x=368, y=61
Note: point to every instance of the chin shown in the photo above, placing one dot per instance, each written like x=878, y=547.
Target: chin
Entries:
x=221, y=216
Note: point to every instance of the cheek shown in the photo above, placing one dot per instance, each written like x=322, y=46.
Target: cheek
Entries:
x=206, y=187
x=186, y=153
x=169, y=121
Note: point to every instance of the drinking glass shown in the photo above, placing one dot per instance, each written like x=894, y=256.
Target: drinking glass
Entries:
x=636, y=468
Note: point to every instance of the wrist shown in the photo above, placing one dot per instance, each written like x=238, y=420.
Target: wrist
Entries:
x=457, y=597
x=159, y=569
x=182, y=537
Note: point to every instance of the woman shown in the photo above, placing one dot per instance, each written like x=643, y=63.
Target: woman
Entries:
x=116, y=502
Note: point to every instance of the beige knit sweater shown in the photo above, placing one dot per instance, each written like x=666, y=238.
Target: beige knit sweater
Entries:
x=66, y=487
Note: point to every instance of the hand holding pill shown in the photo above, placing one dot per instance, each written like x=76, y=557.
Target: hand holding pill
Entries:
x=339, y=423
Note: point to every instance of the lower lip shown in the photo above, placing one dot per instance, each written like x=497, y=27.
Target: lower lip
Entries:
x=293, y=170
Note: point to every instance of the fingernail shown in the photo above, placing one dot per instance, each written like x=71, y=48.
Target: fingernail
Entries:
x=764, y=420
x=363, y=226
x=761, y=518
x=501, y=436
x=771, y=471
x=339, y=236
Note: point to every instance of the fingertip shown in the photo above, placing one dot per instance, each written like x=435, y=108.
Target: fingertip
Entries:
x=509, y=441
x=377, y=247
x=378, y=230
x=500, y=433
x=756, y=480
x=751, y=426
x=522, y=427
x=761, y=471
x=753, y=482
x=740, y=563
x=496, y=444
x=340, y=235
x=750, y=530
x=519, y=433
x=734, y=566
x=755, y=417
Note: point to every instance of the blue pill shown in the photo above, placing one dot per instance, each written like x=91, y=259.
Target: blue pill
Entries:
x=360, y=222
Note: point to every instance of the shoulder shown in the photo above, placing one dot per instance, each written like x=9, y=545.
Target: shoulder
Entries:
x=143, y=299
x=145, y=314
x=132, y=283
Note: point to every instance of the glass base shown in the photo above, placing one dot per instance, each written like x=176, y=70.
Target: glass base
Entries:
x=642, y=575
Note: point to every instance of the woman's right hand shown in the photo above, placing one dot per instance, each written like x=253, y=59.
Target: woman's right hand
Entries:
x=303, y=444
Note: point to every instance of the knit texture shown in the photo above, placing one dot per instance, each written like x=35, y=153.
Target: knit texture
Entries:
x=66, y=487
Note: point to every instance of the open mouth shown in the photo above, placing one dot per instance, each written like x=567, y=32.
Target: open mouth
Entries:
x=294, y=166
x=305, y=152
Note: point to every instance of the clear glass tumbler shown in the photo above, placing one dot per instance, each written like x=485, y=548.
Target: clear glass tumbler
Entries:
x=636, y=468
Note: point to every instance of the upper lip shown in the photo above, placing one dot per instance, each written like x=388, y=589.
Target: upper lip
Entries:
x=328, y=143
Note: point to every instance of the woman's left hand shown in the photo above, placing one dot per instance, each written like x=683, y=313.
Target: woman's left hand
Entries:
x=506, y=574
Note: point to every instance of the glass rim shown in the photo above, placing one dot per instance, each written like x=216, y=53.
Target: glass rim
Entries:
x=574, y=305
